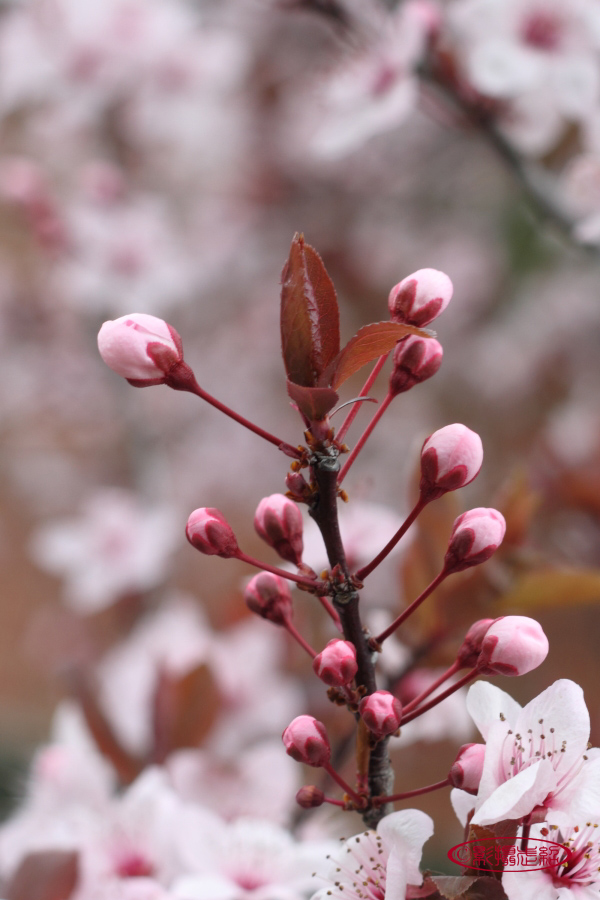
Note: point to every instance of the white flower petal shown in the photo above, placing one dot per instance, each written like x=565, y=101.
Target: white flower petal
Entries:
x=404, y=833
x=517, y=796
x=462, y=804
x=486, y=702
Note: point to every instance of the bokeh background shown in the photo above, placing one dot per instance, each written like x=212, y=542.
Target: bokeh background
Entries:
x=158, y=156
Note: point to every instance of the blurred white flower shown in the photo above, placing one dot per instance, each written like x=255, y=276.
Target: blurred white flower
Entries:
x=115, y=548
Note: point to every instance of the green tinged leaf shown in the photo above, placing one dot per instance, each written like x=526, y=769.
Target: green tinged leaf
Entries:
x=310, y=320
x=554, y=587
x=369, y=343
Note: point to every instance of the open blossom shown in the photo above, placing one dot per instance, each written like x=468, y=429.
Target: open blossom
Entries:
x=250, y=858
x=580, y=880
x=382, y=863
x=536, y=757
x=375, y=90
x=114, y=548
x=542, y=55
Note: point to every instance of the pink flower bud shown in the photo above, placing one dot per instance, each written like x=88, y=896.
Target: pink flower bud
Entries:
x=467, y=768
x=471, y=646
x=297, y=485
x=306, y=741
x=450, y=458
x=278, y=521
x=141, y=348
x=513, y=645
x=310, y=796
x=476, y=535
x=381, y=712
x=336, y=665
x=419, y=298
x=415, y=359
x=209, y=532
x=269, y=597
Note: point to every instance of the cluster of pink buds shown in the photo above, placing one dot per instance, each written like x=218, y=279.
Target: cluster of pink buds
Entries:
x=147, y=351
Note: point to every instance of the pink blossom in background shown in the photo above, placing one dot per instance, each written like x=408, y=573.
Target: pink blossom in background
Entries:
x=374, y=90
x=116, y=547
x=524, y=50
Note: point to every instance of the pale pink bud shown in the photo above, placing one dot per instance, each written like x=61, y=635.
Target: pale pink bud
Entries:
x=471, y=646
x=141, y=348
x=420, y=297
x=310, y=796
x=269, y=596
x=450, y=458
x=305, y=740
x=209, y=531
x=278, y=521
x=513, y=645
x=467, y=768
x=381, y=712
x=336, y=665
x=476, y=535
x=415, y=359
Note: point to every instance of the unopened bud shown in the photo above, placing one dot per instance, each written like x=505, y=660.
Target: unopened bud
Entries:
x=476, y=535
x=310, y=796
x=278, y=521
x=467, y=768
x=305, y=740
x=297, y=485
x=209, y=531
x=141, y=348
x=415, y=359
x=450, y=458
x=336, y=665
x=513, y=645
x=419, y=298
x=381, y=712
x=269, y=597
x=470, y=649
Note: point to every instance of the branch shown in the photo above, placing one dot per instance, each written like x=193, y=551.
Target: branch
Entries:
x=346, y=601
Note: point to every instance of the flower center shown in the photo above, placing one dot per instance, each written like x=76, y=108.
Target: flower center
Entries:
x=583, y=868
x=542, y=30
x=528, y=750
x=134, y=865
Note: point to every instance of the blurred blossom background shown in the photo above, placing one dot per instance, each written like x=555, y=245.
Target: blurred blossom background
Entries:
x=158, y=156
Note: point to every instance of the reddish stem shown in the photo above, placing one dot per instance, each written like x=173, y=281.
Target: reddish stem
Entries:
x=286, y=448
x=451, y=690
x=291, y=628
x=365, y=390
x=334, y=802
x=317, y=586
x=416, y=793
x=366, y=570
x=344, y=785
x=364, y=437
x=432, y=687
x=410, y=609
